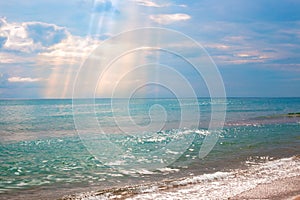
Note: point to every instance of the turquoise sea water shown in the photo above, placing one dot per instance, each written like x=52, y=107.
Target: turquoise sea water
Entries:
x=44, y=154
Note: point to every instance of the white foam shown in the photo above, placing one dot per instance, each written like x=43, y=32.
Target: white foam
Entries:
x=167, y=169
x=145, y=171
x=218, y=185
x=116, y=163
x=223, y=185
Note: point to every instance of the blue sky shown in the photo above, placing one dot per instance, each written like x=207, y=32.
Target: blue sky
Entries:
x=255, y=44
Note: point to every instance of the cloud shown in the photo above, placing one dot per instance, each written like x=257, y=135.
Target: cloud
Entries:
x=13, y=58
x=169, y=18
x=16, y=37
x=182, y=5
x=21, y=43
x=216, y=46
x=238, y=53
x=29, y=37
x=251, y=43
x=149, y=3
x=22, y=79
x=29, y=45
x=20, y=87
x=45, y=34
x=71, y=50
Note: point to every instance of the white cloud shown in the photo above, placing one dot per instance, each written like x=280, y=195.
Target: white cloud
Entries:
x=149, y=3
x=43, y=43
x=169, y=18
x=11, y=58
x=238, y=56
x=18, y=79
x=71, y=50
x=16, y=37
x=219, y=46
x=183, y=5
x=39, y=44
x=28, y=37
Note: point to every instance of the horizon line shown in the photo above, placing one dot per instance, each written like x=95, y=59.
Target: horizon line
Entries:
x=86, y=98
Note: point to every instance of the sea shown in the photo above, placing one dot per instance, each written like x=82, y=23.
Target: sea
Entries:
x=146, y=148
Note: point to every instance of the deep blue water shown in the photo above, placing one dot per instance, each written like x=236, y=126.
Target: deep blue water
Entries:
x=52, y=144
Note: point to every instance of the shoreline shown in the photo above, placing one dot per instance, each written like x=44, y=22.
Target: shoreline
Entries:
x=241, y=184
x=281, y=189
x=234, y=186
x=286, y=188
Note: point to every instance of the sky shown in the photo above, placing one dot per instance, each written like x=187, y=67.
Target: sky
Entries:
x=45, y=45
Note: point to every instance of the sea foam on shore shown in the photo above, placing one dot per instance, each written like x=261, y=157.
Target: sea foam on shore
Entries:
x=218, y=185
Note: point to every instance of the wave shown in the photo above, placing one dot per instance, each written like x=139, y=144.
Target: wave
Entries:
x=218, y=185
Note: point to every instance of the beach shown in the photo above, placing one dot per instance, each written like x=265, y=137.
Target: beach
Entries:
x=259, y=182
x=149, y=99
x=288, y=188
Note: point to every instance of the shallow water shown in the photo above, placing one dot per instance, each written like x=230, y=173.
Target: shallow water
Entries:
x=42, y=155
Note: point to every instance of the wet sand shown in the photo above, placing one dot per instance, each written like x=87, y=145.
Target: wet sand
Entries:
x=288, y=188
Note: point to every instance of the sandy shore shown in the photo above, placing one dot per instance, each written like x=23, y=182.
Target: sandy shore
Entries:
x=288, y=188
